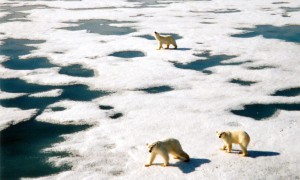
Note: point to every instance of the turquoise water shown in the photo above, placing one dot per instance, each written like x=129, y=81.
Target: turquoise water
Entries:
x=14, y=48
x=116, y=115
x=158, y=89
x=263, y=111
x=76, y=70
x=242, y=82
x=151, y=37
x=209, y=61
x=22, y=144
x=105, y=107
x=100, y=26
x=288, y=33
x=128, y=54
x=288, y=92
x=76, y=92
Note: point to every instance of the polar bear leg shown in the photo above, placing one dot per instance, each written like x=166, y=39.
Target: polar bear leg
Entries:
x=165, y=155
x=151, y=159
x=168, y=45
x=244, y=150
x=159, y=46
x=185, y=156
x=181, y=155
x=223, y=147
x=175, y=46
x=229, y=146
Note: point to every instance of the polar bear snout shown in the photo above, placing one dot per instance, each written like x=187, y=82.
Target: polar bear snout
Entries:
x=219, y=134
x=150, y=147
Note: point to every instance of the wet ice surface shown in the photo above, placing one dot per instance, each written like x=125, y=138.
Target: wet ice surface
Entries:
x=128, y=54
x=100, y=26
x=76, y=70
x=209, y=61
x=14, y=48
x=65, y=72
x=23, y=143
x=289, y=33
x=158, y=89
x=242, y=82
x=151, y=37
x=70, y=92
x=264, y=111
x=287, y=92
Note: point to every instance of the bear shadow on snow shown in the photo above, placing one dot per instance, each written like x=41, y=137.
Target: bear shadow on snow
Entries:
x=188, y=167
x=256, y=154
x=178, y=49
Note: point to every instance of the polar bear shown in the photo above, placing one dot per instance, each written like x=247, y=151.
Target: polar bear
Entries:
x=236, y=137
x=164, y=148
x=165, y=40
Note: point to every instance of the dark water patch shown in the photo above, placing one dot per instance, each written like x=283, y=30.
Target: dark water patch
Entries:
x=28, y=64
x=287, y=92
x=101, y=26
x=15, y=85
x=14, y=48
x=147, y=36
x=291, y=9
x=158, y=89
x=224, y=11
x=17, y=47
x=263, y=111
x=287, y=10
x=152, y=3
x=116, y=116
x=22, y=145
x=281, y=2
x=288, y=33
x=58, y=52
x=16, y=13
x=219, y=11
x=242, y=82
x=106, y=107
x=76, y=92
x=76, y=70
x=207, y=22
x=208, y=72
x=267, y=9
x=209, y=61
x=128, y=54
x=151, y=37
x=58, y=109
x=260, y=67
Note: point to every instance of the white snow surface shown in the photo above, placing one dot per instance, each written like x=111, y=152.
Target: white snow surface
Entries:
x=198, y=106
x=51, y=93
x=11, y=116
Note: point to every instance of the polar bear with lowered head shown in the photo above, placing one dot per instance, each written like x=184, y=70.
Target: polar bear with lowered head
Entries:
x=234, y=137
x=164, y=148
x=164, y=40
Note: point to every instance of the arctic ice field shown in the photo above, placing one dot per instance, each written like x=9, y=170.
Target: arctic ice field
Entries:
x=83, y=88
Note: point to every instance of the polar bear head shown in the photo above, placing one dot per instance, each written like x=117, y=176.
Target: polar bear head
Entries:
x=221, y=134
x=152, y=147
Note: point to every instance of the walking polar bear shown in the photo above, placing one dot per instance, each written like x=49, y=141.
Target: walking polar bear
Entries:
x=235, y=137
x=165, y=40
x=164, y=148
